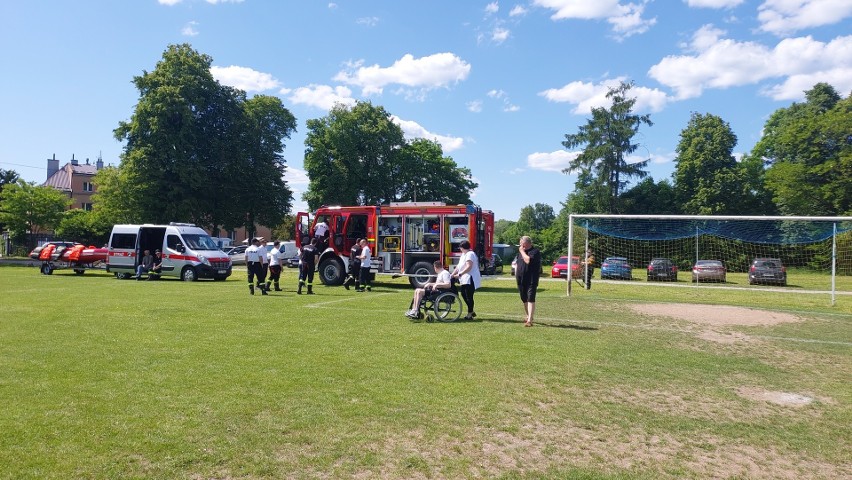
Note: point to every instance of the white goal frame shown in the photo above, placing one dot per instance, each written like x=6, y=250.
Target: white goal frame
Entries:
x=834, y=220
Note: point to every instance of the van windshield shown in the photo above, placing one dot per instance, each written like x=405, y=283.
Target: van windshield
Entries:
x=199, y=242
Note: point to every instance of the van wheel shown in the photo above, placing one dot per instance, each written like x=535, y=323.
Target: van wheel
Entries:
x=188, y=274
x=420, y=273
x=331, y=271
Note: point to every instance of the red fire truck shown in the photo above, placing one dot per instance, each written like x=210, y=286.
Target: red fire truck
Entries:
x=404, y=238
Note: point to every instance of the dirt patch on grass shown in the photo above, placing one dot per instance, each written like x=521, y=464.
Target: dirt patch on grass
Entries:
x=715, y=315
x=779, y=398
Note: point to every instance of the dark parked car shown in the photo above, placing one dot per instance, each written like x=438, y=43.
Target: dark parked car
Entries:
x=767, y=270
x=662, y=269
x=616, y=267
x=495, y=266
x=709, y=271
x=293, y=262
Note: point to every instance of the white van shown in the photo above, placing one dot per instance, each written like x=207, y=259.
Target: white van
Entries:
x=188, y=251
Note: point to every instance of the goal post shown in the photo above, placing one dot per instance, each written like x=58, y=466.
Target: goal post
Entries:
x=735, y=251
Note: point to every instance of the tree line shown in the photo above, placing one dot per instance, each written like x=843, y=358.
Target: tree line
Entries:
x=201, y=152
x=802, y=165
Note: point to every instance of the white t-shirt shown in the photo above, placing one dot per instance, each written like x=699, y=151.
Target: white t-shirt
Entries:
x=445, y=277
x=275, y=257
x=320, y=229
x=253, y=254
x=365, y=252
x=473, y=275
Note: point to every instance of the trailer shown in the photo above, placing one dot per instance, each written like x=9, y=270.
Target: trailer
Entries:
x=69, y=255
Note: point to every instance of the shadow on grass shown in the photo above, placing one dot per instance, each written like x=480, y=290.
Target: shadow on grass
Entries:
x=537, y=324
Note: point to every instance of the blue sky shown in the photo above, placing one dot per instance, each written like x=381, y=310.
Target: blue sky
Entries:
x=498, y=84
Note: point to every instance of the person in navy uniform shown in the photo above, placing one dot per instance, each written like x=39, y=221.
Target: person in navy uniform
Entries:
x=255, y=260
x=354, y=266
x=306, y=268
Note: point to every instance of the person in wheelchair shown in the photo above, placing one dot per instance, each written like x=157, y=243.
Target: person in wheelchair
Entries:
x=442, y=282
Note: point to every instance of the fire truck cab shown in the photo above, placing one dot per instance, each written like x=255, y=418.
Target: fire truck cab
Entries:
x=404, y=238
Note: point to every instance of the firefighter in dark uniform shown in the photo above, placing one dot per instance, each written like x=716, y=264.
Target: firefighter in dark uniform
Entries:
x=354, y=265
x=306, y=268
x=255, y=260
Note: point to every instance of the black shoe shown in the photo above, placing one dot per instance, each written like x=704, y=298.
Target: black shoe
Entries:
x=263, y=292
x=346, y=284
x=369, y=289
x=278, y=289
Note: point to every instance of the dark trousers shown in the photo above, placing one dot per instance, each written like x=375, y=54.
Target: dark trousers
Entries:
x=588, y=277
x=306, y=273
x=466, y=291
x=255, y=269
x=364, y=277
x=274, y=273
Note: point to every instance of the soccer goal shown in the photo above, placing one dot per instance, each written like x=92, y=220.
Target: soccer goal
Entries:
x=795, y=253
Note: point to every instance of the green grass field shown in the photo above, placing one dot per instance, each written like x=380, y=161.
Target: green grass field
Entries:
x=101, y=378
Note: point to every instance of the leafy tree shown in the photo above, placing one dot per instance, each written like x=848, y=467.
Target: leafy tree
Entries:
x=535, y=218
x=286, y=229
x=425, y=174
x=27, y=207
x=808, y=151
x=358, y=156
x=117, y=197
x=264, y=195
x=707, y=180
x=7, y=177
x=501, y=228
x=350, y=154
x=603, y=165
x=650, y=198
x=84, y=226
x=199, y=151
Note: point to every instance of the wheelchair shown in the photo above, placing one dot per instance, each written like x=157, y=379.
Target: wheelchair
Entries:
x=440, y=305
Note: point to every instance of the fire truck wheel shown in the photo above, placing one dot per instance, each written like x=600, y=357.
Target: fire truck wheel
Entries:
x=420, y=273
x=331, y=271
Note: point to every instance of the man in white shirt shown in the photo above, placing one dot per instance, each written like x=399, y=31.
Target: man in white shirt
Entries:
x=275, y=258
x=365, y=266
x=321, y=233
x=255, y=260
x=442, y=282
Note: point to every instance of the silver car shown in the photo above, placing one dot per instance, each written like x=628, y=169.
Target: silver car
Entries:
x=709, y=271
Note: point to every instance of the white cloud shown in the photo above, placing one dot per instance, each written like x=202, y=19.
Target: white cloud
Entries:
x=244, y=78
x=368, y=21
x=499, y=35
x=625, y=18
x=722, y=63
x=474, y=106
x=517, y=10
x=586, y=96
x=504, y=98
x=492, y=8
x=552, y=161
x=214, y=2
x=332, y=6
x=189, y=29
x=785, y=16
x=714, y=3
x=412, y=130
x=496, y=93
x=168, y=2
x=296, y=176
x=430, y=72
x=320, y=96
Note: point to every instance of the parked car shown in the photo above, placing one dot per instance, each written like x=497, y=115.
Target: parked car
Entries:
x=560, y=267
x=662, y=269
x=616, y=267
x=495, y=266
x=767, y=270
x=709, y=271
x=293, y=262
x=238, y=255
x=515, y=264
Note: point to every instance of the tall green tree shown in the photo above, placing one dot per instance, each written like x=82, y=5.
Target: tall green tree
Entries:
x=358, y=156
x=650, y=198
x=706, y=177
x=200, y=151
x=84, y=226
x=808, y=151
x=117, y=197
x=7, y=177
x=27, y=208
x=603, y=164
x=350, y=154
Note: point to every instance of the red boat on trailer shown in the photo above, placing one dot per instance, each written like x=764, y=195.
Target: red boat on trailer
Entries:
x=59, y=255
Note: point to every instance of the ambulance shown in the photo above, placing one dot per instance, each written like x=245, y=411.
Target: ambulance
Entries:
x=189, y=253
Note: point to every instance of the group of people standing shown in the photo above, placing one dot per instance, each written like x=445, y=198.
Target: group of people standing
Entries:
x=259, y=263
x=359, y=266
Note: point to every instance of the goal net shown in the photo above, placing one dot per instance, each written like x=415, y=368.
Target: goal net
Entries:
x=796, y=253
